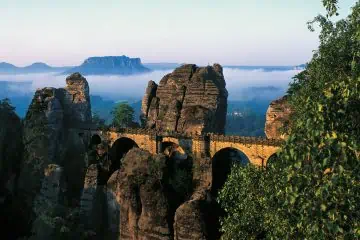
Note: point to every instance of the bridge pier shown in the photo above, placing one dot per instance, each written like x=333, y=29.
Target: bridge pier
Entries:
x=201, y=146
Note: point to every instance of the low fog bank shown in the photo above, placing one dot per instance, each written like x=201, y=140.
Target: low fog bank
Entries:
x=250, y=92
x=241, y=84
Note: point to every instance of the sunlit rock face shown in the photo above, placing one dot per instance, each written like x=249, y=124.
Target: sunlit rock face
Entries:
x=277, y=118
x=76, y=100
x=191, y=99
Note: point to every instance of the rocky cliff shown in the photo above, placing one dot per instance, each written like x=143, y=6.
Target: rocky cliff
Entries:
x=67, y=180
x=191, y=99
x=277, y=118
x=53, y=152
x=139, y=188
x=110, y=65
x=11, y=149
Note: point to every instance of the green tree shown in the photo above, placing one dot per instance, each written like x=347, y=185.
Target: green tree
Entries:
x=96, y=119
x=123, y=115
x=5, y=104
x=312, y=191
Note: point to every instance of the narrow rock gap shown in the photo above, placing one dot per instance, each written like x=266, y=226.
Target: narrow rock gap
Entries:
x=184, y=89
x=138, y=206
x=177, y=186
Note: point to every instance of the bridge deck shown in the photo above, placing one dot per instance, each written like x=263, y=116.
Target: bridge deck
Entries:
x=206, y=136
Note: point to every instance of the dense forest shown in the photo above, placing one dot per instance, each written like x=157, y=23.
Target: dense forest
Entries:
x=311, y=190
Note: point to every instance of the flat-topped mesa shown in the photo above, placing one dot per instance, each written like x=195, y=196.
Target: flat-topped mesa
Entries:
x=277, y=118
x=191, y=99
x=109, y=65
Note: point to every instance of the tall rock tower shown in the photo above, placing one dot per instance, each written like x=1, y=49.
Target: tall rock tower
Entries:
x=53, y=167
x=191, y=99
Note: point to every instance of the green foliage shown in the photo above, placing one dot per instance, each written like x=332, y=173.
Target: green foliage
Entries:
x=96, y=119
x=246, y=218
x=312, y=191
x=331, y=7
x=123, y=115
x=5, y=104
x=63, y=222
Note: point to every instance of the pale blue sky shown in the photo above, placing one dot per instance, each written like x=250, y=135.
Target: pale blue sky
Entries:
x=231, y=32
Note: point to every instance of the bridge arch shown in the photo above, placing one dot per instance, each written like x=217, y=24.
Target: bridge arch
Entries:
x=173, y=150
x=233, y=148
x=118, y=150
x=95, y=139
x=222, y=161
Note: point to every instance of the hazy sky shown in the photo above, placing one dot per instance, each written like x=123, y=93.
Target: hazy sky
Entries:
x=231, y=32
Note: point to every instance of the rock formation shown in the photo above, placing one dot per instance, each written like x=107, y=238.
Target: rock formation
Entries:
x=49, y=139
x=190, y=221
x=139, y=189
x=277, y=118
x=122, y=192
x=191, y=99
x=76, y=100
x=11, y=149
x=46, y=200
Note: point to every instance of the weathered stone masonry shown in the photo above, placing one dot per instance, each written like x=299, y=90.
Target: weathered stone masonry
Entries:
x=257, y=149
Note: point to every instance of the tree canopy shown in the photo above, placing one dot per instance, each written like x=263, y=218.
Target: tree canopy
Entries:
x=312, y=190
x=5, y=104
x=123, y=115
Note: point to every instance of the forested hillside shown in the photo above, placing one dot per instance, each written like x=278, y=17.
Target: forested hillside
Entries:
x=312, y=189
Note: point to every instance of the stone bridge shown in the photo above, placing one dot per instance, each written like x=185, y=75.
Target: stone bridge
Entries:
x=257, y=149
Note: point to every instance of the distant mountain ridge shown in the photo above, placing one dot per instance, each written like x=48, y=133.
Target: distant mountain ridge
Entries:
x=120, y=65
x=110, y=65
x=37, y=67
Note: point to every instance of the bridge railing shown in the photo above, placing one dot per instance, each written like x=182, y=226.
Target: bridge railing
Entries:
x=245, y=140
x=203, y=136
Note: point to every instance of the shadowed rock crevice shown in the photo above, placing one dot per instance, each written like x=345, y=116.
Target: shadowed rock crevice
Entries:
x=178, y=179
x=119, y=150
x=12, y=214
